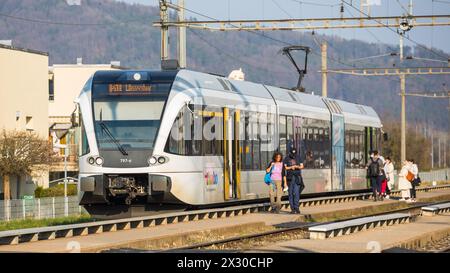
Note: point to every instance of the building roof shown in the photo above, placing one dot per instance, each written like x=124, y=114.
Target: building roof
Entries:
x=32, y=51
x=51, y=67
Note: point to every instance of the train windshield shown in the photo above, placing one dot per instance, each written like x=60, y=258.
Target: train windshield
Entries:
x=127, y=117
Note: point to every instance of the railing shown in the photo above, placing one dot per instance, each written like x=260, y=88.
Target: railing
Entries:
x=431, y=176
x=435, y=175
x=39, y=208
x=54, y=207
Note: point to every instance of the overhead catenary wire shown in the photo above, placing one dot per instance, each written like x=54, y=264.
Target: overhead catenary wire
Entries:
x=260, y=34
x=40, y=21
x=426, y=59
x=313, y=33
x=441, y=1
x=228, y=54
x=316, y=4
x=372, y=34
x=403, y=7
x=394, y=31
x=373, y=57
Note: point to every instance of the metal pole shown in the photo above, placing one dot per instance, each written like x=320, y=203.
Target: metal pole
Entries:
x=432, y=149
x=164, y=30
x=24, y=213
x=401, y=46
x=403, y=118
x=410, y=7
x=65, y=170
x=39, y=207
x=8, y=210
x=324, y=70
x=53, y=207
x=66, y=154
x=439, y=151
x=181, y=36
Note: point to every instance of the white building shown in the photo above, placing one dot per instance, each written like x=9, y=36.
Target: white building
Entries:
x=24, y=104
x=65, y=84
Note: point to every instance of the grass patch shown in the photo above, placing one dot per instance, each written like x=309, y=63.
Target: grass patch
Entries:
x=33, y=223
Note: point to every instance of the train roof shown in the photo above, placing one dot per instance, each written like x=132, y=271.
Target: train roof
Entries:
x=107, y=76
x=287, y=100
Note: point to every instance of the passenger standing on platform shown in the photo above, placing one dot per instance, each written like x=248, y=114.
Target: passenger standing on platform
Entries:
x=403, y=184
x=389, y=171
x=375, y=174
x=415, y=171
x=276, y=178
x=294, y=179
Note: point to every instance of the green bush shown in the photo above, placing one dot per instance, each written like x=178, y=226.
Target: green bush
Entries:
x=55, y=191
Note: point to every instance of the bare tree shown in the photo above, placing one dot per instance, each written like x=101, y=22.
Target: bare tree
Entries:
x=21, y=153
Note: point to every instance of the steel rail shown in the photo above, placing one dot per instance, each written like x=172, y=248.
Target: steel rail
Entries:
x=304, y=227
x=17, y=236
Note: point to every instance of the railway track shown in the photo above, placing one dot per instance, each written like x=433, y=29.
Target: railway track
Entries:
x=83, y=229
x=414, y=210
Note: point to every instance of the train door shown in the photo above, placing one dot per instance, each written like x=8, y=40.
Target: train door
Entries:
x=337, y=148
x=337, y=145
x=231, y=156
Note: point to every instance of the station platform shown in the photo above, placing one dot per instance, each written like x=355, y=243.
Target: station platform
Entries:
x=96, y=242
x=369, y=241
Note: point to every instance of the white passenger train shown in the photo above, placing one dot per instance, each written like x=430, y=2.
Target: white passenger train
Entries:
x=191, y=138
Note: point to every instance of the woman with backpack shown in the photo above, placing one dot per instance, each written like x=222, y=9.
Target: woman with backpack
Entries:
x=276, y=171
x=404, y=185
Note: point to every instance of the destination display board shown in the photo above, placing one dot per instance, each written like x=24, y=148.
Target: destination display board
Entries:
x=129, y=89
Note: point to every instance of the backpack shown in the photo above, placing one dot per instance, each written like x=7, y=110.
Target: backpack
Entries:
x=267, y=178
x=373, y=170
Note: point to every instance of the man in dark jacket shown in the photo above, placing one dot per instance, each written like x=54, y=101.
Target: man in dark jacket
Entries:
x=375, y=173
x=293, y=172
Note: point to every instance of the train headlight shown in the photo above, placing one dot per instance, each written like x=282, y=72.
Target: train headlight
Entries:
x=91, y=160
x=152, y=160
x=161, y=160
x=99, y=161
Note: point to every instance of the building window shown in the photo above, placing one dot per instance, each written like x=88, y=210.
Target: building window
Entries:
x=29, y=123
x=51, y=91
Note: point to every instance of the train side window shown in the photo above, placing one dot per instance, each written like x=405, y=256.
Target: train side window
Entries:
x=179, y=137
x=212, y=131
x=84, y=141
x=315, y=150
x=354, y=147
x=196, y=134
x=255, y=141
x=282, y=129
x=247, y=147
x=290, y=131
x=263, y=122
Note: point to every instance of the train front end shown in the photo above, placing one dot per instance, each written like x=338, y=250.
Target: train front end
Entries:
x=120, y=116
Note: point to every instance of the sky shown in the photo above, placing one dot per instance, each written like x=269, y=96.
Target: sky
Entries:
x=436, y=37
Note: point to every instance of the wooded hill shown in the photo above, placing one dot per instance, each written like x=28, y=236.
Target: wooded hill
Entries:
x=100, y=31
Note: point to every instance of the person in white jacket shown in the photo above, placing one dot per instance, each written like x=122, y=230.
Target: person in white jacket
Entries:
x=403, y=184
x=389, y=171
